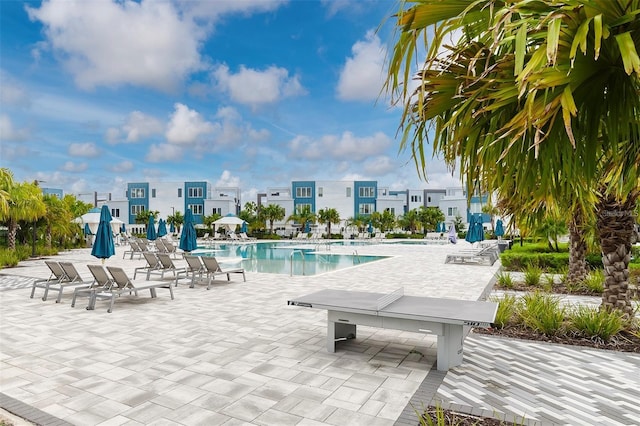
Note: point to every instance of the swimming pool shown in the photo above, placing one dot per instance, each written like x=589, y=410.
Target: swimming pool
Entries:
x=281, y=258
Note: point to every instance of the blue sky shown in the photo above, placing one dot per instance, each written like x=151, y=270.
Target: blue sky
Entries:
x=253, y=93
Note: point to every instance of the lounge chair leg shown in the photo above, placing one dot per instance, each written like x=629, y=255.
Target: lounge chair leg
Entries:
x=33, y=290
x=46, y=292
x=59, y=299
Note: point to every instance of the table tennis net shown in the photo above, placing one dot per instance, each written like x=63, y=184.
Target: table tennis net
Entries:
x=389, y=298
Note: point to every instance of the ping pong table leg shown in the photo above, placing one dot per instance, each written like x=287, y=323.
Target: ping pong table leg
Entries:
x=450, y=347
x=337, y=331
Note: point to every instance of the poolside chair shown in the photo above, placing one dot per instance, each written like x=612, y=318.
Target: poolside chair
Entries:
x=166, y=265
x=123, y=284
x=212, y=268
x=58, y=280
x=234, y=237
x=194, y=268
x=245, y=237
x=153, y=263
x=134, y=249
x=102, y=283
x=165, y=246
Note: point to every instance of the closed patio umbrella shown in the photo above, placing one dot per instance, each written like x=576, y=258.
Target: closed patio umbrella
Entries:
x=103, y=247
x=172, y=228
x=151, y=229
x=162, y=228
x=499, y=229
x=453, y=235
x=188, y=238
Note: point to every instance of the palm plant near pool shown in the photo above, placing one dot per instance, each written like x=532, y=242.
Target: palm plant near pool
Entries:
x=542, y=97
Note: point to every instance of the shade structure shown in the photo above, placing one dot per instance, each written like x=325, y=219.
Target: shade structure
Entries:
x=151, y=229
x=499, y=229
x=91, y=219
x=230, y=222
x=103, y=247
x=188, y=238
x=162, y=228
x=453, y=235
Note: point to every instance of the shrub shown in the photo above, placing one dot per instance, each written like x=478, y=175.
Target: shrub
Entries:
x=506, y=310
x=8, y=258
x=550, y=262
x=594, y=282
x=505, y=280
x=593, y=322
x=532, y=275
x=542, y=313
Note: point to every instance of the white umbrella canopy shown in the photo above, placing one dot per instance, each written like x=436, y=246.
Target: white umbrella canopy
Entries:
x=229, y=222
x=92, y=218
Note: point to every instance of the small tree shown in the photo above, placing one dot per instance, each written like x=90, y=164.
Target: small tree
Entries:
x=328, y=216
x=271, y=213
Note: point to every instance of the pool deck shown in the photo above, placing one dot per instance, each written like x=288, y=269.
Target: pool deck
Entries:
x=237, y=354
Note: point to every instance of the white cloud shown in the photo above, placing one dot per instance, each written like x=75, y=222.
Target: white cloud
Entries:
x=362, y=76
x=11, y=92
x=186, y=126
x=214, y=9
x=9, y=133
x=83, y=150
x=73, y=167
x=140, y=125
x=107, y=43
x=340, y=147
x=112, y=135
x=380, y=166
x=163, y=152
x=122, y=167
x=256, y=88
x=226, y=179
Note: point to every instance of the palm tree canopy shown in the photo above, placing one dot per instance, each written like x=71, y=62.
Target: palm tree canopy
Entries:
x=549, y=80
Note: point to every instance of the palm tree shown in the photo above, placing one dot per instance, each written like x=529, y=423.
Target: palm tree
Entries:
x=357, y=222
x=328, y=216
x=57, y=219
x=25, y=205
x=208, y=220
x=176, y=219
x=272, y=213
x=492, y=211
x=410, y=220
x=303, y=216
x=503, y=102
x=6, y=182
x=430, y=217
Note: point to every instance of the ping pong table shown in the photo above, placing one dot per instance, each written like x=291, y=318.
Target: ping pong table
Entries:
x=449, y=319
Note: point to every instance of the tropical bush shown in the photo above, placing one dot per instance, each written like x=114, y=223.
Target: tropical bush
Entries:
x=506, y=310
x=594, y=282
x=542, y=312
x=532, y=275
x=593, y=322
x=505, y=280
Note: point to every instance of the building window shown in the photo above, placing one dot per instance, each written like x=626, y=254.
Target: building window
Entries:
x=303, y=192
x=115, y=212
x=179, y=192
x=195, y=193
x=320, y=192
x=135, y=209
x=153, y=193
x=301, y=207
x=366, y=191
x=348, y=192
x=137, y=192
x=216, y=210
x=366, y=208
x=416, y=198
x=196, y=209
x=428, y=199
x=452, y=211
x=392, y=210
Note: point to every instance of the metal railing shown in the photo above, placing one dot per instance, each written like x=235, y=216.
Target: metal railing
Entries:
x=291, y=261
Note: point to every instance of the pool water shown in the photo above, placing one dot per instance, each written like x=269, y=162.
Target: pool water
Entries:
x=281, y=258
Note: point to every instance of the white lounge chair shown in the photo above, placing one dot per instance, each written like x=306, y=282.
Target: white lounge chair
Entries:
x=194, y=268
x=63, y=275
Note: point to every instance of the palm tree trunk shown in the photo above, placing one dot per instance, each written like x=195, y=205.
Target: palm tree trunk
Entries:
x=615, y=226
x=48, y=237
x=577, y=251
x=11, y=234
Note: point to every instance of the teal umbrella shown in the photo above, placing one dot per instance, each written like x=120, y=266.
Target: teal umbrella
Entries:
x=188, y=237
x=162, y=228
x=103, y=247
x=499, y=229
x=475, y=232
x=87, y=230
x=151, y=229
x=123, y=229
x=172, y=228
